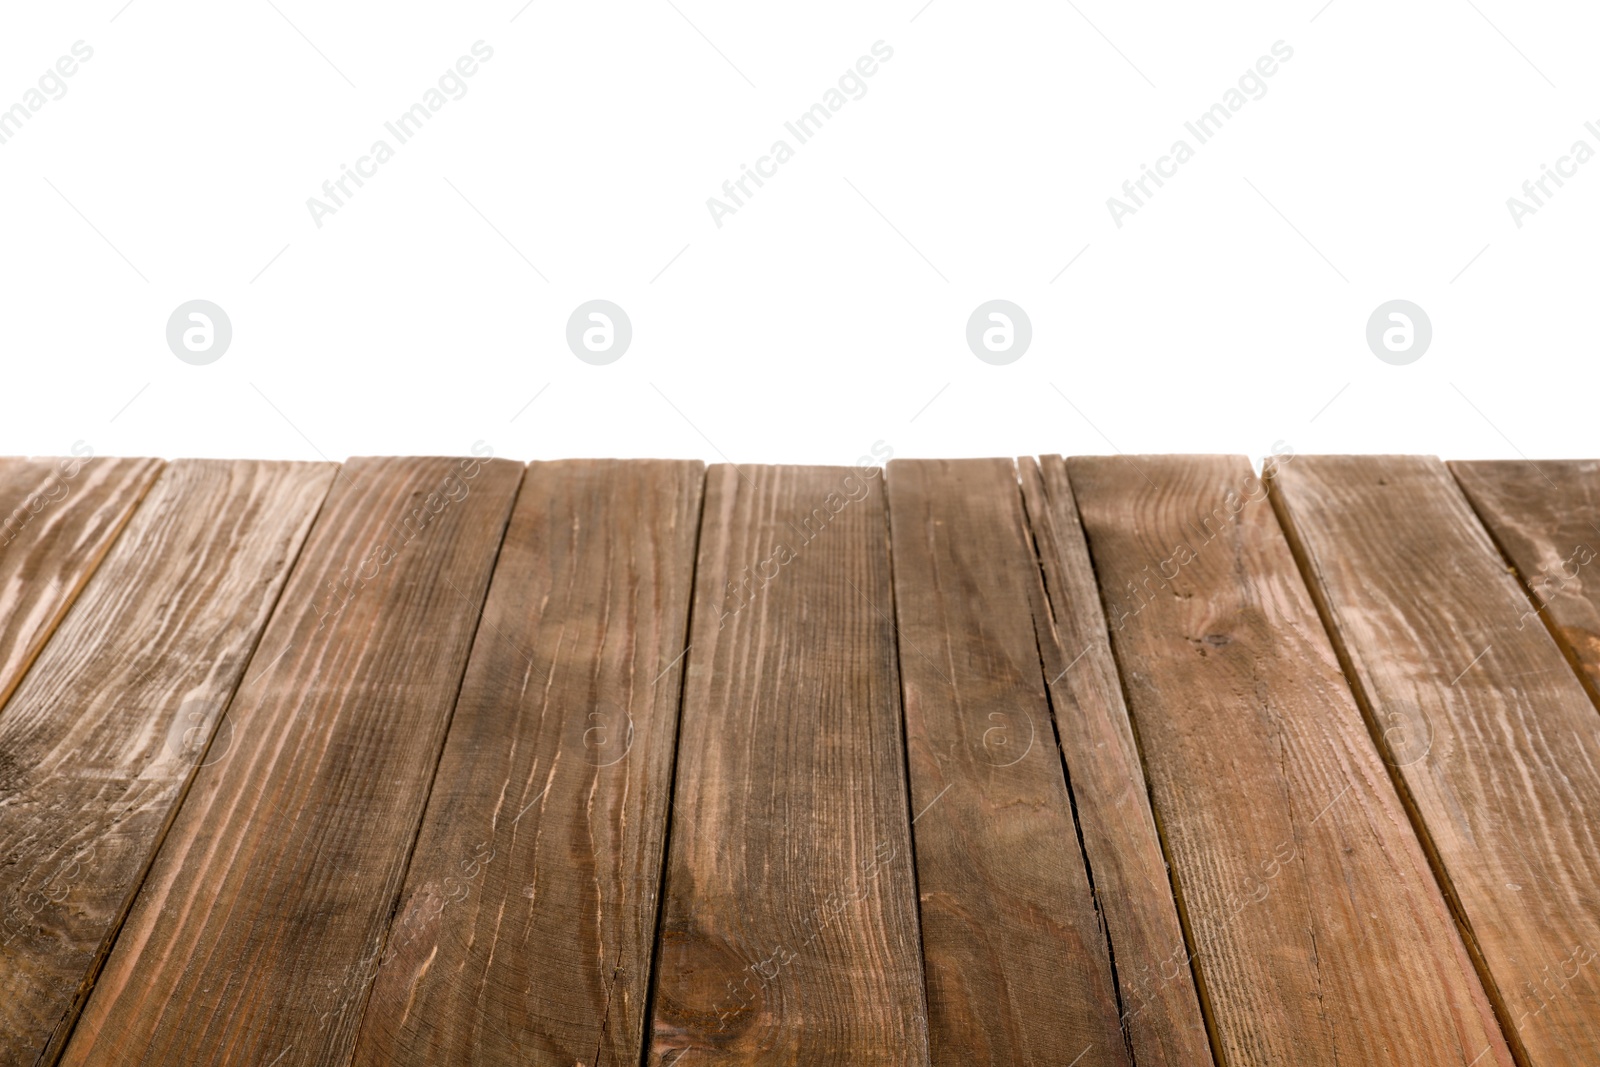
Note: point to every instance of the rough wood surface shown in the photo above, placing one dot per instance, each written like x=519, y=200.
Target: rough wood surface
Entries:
x=1320, y=934
x=1546, y=519
x=1160, y=1007
x=105, y=732
x=1015, y=957
x=528, y=920
x=58, y=517
x=789, y=933
x=262, y=920
x=386, y=764
x=1498, y=744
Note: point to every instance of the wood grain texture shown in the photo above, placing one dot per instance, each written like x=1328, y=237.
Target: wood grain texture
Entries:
x=103, y=735
x=261, y=923
x=1321, y=935
x=1498, y=743
x=789, y=929
x=1545, y=517
x=528, y=920
x=1016, y=962
x=1160, y=1006
x=58, y=517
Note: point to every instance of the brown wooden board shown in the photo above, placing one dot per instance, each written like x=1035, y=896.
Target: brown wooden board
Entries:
x=789, y=931
x=1545, y=517
x=525, y=931
x=263, y=918
x=1496, y=742
x=105, y=732
x=1319, y=932
x=1016, y=961
x=58, y=517
x=1160, y=1007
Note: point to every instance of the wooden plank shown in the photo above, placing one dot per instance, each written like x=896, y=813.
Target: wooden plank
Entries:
x=1320, y=934
x=105, y=732
x=1160, y=1006
x=789, y=931
x=1016, y=961
x=529, y=915
x=58, y=517
x=1545, y=517
x=1496, y=738
x=260, y=925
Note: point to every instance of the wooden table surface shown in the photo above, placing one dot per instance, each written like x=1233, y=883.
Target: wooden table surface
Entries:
x=1099, y=762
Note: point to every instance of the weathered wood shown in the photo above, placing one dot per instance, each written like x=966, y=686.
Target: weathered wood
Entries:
x=1016, y=961
x=275, y=836
x=789, y=933
x=1320, y=934
x=58, y=517
x=105, y=732
x=1546, y=519
x=262, y=920
x=1160, y=1006
x=1496, y=741
x=529, y=915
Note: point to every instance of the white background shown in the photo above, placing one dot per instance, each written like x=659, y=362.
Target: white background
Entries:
x=829, y=313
